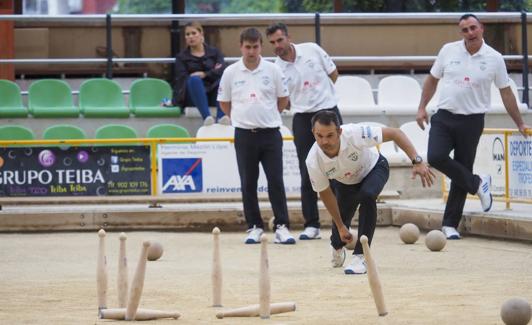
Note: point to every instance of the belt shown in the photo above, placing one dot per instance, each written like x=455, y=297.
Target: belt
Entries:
x=257, y=130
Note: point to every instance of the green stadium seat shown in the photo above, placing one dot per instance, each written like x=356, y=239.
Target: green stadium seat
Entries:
x=11, y=101
x=115, y=131
x=51, y=98
x=146, y=96
x=102, y=98
x=16, y=132
x=167, y=131
x=64, y=132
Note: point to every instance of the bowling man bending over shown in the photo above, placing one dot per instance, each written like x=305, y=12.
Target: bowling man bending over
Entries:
x=342, y=154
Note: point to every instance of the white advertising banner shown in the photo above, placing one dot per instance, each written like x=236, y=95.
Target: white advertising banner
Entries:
x=490, y=160
x=520, y=166
x=210, y=168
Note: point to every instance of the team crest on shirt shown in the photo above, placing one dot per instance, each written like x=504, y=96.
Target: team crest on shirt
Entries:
x=483, y=65
x=265, y=80
x=353, y=156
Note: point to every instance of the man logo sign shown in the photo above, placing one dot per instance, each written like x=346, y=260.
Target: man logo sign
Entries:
x=182, y=175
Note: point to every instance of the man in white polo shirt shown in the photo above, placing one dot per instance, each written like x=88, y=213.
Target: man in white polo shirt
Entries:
x=347, y=174
x=466, y=69
x=310, y=75
x=253, y=92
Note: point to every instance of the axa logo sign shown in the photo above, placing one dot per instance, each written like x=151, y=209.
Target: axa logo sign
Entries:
x=182, y=175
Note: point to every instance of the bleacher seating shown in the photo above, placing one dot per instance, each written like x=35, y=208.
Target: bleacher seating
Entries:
x=216, y=131
x=51, y=98
x=64, y=132
x=167, y=131
x=497, y=105
x=418, y=137
x=354, y=95
x=16, y=132
x=398, y=95
x=115, y=131
x=11, y=100
x=146, y=96
x=102, y=98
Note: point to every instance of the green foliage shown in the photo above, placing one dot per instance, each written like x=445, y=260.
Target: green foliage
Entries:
x=251, y=6
x=144, y=7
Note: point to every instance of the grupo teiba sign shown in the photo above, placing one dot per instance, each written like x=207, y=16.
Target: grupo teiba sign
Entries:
x=73, y=171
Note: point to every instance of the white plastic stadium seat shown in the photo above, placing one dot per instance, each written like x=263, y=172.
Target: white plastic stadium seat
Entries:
x=285, y=131
x=216, y=131
x=418, y=137
x=398, y=95
x=497, y=105
x=354, y=96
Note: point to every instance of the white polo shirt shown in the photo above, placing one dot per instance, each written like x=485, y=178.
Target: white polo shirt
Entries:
x=466, y=79
x=253, y=94
x=354, y=160
x=308, y=80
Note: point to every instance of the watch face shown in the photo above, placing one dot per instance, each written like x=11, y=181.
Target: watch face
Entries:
x=417, y=160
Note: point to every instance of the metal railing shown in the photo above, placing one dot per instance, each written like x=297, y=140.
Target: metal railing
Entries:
x=316, y=19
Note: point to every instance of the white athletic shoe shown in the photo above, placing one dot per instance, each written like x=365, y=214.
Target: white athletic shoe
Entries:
x=209, y=120
x=254, y=235
x=357, y=265
x=283, y=236
x=310, y=233
x=484, y=193
x=224, y=120
x=338, y=257
x=450, y=232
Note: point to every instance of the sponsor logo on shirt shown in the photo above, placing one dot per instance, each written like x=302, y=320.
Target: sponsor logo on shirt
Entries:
x=239, y=83
x=265, y=80
x=366, y=132
x=330, y=172
x=353, y=156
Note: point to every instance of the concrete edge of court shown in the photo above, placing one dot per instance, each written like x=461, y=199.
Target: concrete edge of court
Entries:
x=198, y=215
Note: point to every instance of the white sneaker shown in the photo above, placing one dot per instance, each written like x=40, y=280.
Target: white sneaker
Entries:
x=310, y=233
x=484, y=193
x=450, y=232
x=224, y=120
x=338, y=257
x=283, y=236
x=209, y=120
x=254, y=235
x=357, y=265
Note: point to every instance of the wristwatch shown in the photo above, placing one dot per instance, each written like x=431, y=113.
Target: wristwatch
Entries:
x=417, y=160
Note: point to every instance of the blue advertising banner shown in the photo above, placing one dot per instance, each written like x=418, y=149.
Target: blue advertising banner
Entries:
x=75, y=171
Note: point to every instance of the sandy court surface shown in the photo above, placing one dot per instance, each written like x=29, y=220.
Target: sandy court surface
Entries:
x=50, y=279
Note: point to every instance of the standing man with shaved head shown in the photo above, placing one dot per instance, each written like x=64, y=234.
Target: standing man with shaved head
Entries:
x=310, y=75
x=466, y=69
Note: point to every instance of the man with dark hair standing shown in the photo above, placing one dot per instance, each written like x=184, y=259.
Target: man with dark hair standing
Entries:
x=466, y=69
x=310, y=74
x=347, y=174
x=253, y=93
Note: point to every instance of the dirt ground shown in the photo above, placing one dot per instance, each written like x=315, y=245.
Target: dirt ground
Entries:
x=51, y=279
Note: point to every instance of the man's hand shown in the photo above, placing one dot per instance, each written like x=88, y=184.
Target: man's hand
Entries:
x=523, y=128
x=422, y=117
x=425, y=173
x=345, y=235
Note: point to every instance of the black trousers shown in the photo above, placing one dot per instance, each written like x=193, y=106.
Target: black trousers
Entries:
x=264, y=146
x=460, y=133
x=365, y=194
x=304, y=139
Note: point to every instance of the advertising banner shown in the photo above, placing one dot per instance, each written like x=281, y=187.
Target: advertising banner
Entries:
x=210, y=168
x=75, y=171
x=520, y=166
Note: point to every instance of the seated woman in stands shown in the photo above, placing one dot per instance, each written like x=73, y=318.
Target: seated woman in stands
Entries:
x=199, y=69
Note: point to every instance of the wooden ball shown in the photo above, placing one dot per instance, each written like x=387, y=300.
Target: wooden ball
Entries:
x=409, y=233
x=155, y=251
x=516, y=311
x=351, y=245
x=435, y=240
